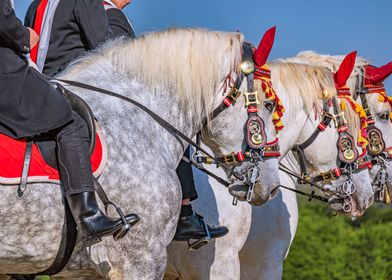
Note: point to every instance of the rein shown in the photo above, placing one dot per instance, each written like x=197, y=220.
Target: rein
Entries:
x=170, y=128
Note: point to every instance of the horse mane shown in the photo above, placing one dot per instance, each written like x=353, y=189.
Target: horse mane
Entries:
x=310, y=82
x=190, y=63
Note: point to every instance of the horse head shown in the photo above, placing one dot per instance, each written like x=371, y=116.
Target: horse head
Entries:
x=251, y=127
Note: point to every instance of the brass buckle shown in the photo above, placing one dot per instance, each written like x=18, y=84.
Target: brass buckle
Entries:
x=327, y=176
x=230, y=158
x=335, y=119
x=233, y=95
x=251, y=98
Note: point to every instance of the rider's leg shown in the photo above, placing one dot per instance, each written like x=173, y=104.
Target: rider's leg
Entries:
x=77, y=180
x=190, y=224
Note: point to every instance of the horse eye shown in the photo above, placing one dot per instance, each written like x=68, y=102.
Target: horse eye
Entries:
x=270, y=105
x=384, y=115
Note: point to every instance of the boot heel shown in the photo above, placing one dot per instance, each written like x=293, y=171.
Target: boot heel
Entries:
x=91, y=241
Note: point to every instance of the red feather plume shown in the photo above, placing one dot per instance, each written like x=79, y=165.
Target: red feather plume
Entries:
x=345, y=69
x=262, y=52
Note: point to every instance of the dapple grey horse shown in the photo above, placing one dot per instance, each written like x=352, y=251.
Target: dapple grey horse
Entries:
x=180, y=75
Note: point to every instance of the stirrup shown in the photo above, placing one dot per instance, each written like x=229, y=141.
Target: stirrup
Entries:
x=125, y=226
x=202, y=241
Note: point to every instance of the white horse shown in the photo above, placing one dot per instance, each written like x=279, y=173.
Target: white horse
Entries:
x=260, y=237
x=379, y=107
x=179, y=74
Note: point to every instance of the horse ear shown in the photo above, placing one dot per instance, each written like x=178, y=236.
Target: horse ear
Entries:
x=374, y=75
x=262, y=52
x=345, y=69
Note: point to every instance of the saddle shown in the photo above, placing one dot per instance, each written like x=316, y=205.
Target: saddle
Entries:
x=23, y=161
x=42, y=165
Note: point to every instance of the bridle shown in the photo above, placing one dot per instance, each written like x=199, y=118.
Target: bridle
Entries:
x=348, y=160
x=257, y=149
x=378, y=152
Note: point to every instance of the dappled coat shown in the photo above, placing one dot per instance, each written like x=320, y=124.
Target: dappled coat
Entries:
x=28, y=104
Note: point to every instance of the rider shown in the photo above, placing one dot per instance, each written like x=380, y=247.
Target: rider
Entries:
x=190, y=224
x=30, y=107
x=120, y=24
x=67, y=29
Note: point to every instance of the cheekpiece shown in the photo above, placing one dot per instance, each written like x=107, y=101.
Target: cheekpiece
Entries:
x=376, y=142
x=347, y=151
x=256, y=135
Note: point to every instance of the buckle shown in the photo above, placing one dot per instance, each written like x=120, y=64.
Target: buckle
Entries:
x=251, y=98
x=327, y=176
x=233, y=94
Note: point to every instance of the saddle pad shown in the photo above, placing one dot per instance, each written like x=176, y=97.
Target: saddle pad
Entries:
x=12, y=156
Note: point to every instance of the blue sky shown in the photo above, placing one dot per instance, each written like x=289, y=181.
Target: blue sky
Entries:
x=326, y=26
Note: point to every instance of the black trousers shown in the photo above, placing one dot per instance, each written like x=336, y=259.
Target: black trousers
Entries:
x=185, y=174
x=74, y=159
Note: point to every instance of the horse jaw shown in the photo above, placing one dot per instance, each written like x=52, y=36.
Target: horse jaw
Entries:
x=363, y=197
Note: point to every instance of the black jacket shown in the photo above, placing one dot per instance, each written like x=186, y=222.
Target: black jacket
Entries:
x=119, y=23
x=28, y=104
x=78, y=26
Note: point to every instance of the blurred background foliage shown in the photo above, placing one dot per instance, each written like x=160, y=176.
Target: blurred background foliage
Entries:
x=335, y=247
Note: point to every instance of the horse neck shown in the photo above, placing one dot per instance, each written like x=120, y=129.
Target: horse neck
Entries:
x=161, y=102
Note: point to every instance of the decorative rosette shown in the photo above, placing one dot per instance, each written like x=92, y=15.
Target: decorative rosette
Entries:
x=264, y=75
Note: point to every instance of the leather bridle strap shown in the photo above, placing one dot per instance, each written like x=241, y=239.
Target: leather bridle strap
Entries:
x=299, y=149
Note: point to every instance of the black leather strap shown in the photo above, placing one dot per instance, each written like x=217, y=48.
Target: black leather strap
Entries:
x=25, y=171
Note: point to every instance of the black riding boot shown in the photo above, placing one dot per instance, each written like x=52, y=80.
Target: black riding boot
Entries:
x=92, y=223
x=192, y=226
x=77, y=181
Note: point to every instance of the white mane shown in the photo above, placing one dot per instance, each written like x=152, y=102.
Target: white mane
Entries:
x=190, y=63
x=304, y=84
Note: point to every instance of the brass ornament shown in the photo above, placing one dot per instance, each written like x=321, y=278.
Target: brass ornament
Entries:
x=257, y=139
x=376, y=142
x=347, y=151
x=251, y=99
x=247, y=67
x=349, y=154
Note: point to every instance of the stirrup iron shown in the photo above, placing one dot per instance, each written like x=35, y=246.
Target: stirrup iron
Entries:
x=202, y=241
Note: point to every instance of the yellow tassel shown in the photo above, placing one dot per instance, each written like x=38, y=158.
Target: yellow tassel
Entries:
x=275, y=116
x=342, y=105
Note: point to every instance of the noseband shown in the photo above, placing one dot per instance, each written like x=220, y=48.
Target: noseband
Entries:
x=378, y=152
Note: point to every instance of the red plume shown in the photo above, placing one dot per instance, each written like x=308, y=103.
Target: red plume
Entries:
x=374, y=75
x=345, y=69
x=261, y=54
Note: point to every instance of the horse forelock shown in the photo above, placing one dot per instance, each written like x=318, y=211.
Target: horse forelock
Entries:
x=304, y=84
x=189, y=63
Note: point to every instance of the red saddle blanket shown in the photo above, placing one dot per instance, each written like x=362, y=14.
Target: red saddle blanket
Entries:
x=12, y=157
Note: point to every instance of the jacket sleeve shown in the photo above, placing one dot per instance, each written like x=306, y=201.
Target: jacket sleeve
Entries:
x=12, y=32
x=93, y=22
x=119, y=23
